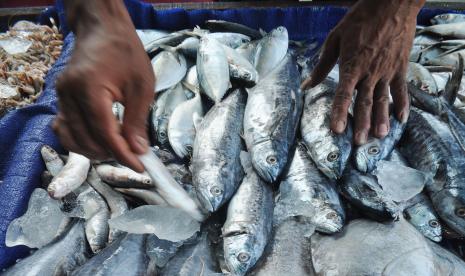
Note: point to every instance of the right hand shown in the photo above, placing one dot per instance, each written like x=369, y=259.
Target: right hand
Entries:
x=108, y=64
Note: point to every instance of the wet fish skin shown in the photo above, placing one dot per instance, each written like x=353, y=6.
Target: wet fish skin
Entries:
x=229, y=39
x=447, y=18
x=456, y=30
x=364, y=192
x=72, y=175
x=216, y=171
x=248, y=223
x=169, y=68
x=172, y=40
x=269, y=131
x=212, y=69
x=123, y=177
x=367, y=155
x=306, y=192
x=149, y=196
x=270, y=51
x=52, y=160
x=421, y=214
x=443, y=160
x=240, y=69
x=125, y=257
x=58, y=258
x=189, y=47
x=421, y=77
x=329, y=151
x=226, y=26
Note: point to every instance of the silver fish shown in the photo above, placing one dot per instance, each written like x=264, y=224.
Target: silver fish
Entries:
x=226, y=26
x=123, y=177
x=240, y=69
x=271, y=119
x=455, y=30
x=232, y=40
x=270, y=51
x=149, y=196
x=181, y=126
x=52, y=160
x=115, y=201
x=71, y=176
x=118, y=111
x=191, y=80
x=172, y=39
x=181, y=173
x=367, y=155
x=420, y=213
x=247, y=50
x=306, y=192
x=447, y=18
x=189, y=47
x=146, y=36
x=364, y=192
x=217, y=171
x=169, y=68
x=421, y=77
x=441, y=158
x=124, y=257
x=161, y=251
x=329, y=151
x=58, y=258
x=46, y=178
x=248, y=222
x=165, y=155
x=212, y=69
x=164, y=107
x=288, y=251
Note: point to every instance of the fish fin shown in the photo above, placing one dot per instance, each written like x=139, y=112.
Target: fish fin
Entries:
x=246, y=160
x=425, y=101
x=197, y=119
x=192, y=88
x=453, y=85
x=262, y=32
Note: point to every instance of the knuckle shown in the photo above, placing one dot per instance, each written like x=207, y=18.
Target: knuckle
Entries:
x=365, y=102
x=382, y=99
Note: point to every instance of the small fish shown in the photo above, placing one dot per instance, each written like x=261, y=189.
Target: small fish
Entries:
x=232, y=40
x=118, y=111
x=189, y=47
x=306, y=192
x=46, y=178
x=181, y=126
x=52, y=160
x=226, y=26
x=248, y=222
x=447, y=18
x=169, y=68
x=422, y=78
x=271, y=118
x=240, y=69
x=191, y=80
x=367, y=156
x=58, y=258
x=212, y=69
x=329, y=151
x=364, y=192
x=71, y=176
x=455, y=30
x=270, y=51
x=420, y=213
x=217, y=171
x=172, y=40
x=149, y=196
x=125, y=257
x=123, y=177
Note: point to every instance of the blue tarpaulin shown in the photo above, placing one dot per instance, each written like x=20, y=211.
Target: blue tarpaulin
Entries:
x=24, y=131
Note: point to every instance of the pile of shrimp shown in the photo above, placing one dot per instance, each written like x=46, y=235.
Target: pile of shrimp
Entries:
x=22, y=72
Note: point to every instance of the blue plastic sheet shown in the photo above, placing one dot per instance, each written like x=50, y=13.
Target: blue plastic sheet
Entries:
x=24, y=131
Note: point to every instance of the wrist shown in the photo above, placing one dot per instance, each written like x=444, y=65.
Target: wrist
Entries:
x=85, y=16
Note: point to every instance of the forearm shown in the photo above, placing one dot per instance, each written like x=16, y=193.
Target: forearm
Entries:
x=403, y=8
x=84, y=15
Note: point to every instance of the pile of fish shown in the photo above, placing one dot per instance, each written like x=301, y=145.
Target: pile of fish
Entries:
x=27, y=52
x=251, y=179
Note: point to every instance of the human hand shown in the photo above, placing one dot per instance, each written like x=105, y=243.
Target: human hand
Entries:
x=372, y=43
x=108, y=64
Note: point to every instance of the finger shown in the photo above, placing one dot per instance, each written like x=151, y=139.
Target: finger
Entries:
x=363, y=111
x=341, y=103
x=105, y=128
x=64, y=134
x=400, y=97
x=136, y=114
x=328, y=59
x=381, y=109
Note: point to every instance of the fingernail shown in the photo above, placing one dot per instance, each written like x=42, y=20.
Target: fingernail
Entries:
x=142, y=144
x=404, y=116
x=361, y=138
x=340, y=126
x=383, y=130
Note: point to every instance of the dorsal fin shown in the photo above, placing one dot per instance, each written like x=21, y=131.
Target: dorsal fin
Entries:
x=453, y=85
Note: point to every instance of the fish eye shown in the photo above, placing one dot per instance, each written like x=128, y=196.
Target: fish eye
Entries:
x=374, y=150
x=162, y=134
x=163, y=159
x=434, y=223
x=331, y=215
x=460, y=212
x=281, y=29
x=216, y=191
x=271, y=159
x=243, y=257
x=333, y=156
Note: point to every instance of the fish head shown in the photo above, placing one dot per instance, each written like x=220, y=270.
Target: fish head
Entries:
x=211, y=195
x=367, y=155
x=280, y=33
x=239, y=253
x=331, y=158
x=269, y=159
x=48, y=153
x=162, y=131
x=450, y=205
x=181, y=145
x=329, y=220
x=425, y=221
x=443, y=18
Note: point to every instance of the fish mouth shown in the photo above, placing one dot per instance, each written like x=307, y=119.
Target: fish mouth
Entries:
x=205, y=202
x=436, y=237
x=328, y=171
x=362, y=162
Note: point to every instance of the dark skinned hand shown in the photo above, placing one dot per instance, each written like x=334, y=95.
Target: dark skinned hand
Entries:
x=372, y=43
x=108, y=64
